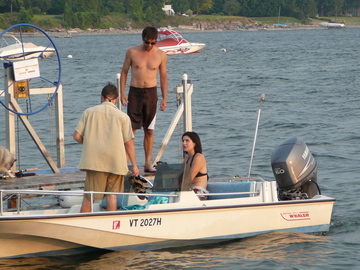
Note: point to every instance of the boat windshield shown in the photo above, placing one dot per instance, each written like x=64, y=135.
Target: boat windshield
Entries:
x=171, y=177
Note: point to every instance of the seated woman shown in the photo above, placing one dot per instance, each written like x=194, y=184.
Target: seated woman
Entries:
x=197, y=162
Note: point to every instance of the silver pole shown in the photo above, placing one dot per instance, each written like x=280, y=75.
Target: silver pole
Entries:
x=187, y=104
x=118, y=86
x=262, y=98
x=169, y=132
x=185, y=91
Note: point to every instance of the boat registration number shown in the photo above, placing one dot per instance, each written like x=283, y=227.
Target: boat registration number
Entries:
x=144, y=222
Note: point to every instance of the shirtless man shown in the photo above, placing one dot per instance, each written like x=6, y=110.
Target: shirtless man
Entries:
x=145, y=61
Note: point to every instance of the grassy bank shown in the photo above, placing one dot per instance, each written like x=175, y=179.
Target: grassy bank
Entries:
x=121, y=21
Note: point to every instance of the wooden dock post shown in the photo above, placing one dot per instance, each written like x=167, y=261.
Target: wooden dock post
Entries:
x=10, y=115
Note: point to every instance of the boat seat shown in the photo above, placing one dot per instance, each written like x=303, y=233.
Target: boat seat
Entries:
x=125, y=200
x=134, y=202
x=76, y=208
x=229, y=187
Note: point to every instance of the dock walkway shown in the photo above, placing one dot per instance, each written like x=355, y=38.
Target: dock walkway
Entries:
x=50, y=181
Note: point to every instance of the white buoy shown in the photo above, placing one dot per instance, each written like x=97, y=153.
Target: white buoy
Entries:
x=69, y=56
x=223, y=50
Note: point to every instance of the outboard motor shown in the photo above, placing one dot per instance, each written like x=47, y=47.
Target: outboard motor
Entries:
x=295, y=170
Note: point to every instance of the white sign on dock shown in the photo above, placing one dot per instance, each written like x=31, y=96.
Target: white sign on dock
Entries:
x=26, y=69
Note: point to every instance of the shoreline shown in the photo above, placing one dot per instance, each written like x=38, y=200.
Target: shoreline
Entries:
x=186, y=29
x=63, y=33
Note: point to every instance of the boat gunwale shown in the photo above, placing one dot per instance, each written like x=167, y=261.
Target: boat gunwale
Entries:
x=19, y=216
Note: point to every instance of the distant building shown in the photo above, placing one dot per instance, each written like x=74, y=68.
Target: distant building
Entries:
x=168, y=10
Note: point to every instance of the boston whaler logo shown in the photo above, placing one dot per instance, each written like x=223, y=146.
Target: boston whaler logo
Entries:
x=293, y=216
x=116, y=225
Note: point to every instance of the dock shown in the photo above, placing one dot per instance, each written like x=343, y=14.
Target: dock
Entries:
x=58, y=177
x=45, y=180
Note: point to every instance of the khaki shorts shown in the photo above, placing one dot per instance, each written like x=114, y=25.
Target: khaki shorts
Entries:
x=102, y=182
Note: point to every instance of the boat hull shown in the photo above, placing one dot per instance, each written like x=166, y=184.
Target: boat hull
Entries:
x=174, y=43
x=332, y=25
x=157, y=229
x=24, y=51
x=184, y=48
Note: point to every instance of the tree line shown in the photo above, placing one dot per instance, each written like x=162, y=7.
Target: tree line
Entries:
x=85, y=13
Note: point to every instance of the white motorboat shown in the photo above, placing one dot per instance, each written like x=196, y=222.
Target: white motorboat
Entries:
x=39, y=222
x=170, y=214
x=24, y=50
x=332, y=25
x=173, y=42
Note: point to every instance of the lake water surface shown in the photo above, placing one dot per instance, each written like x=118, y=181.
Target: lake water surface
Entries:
x=312, y=87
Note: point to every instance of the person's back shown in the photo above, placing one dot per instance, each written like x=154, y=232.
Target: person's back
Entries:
x=106, y=135
x=100, y=153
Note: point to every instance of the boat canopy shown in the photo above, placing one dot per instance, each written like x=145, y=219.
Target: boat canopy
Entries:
x=173, y=34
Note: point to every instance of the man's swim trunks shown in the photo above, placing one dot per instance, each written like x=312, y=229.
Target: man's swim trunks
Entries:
x=142, y=107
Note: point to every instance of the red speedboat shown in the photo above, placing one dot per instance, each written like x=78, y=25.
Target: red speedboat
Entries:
x=172, y=42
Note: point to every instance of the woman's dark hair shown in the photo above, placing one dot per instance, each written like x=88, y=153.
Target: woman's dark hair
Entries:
x=196, y=139
x=150, y=32
x=110, y=91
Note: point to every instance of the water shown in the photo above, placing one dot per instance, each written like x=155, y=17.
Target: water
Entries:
x=311, y=82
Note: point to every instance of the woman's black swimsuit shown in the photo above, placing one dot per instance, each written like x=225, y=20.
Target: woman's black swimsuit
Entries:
x=199, y=174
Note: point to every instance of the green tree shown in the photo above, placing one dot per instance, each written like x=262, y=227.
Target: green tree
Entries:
x=43, y=5
x=218, y=6
x=338, y=6
x=326, y=7
x=310, y=9
x=68, y=19
x=136, y=10
x=153, y=11
x=352, y=7
x=25, y=16
x=93, y=19
x=270, y=8
x=11, y=5
x=180, y=6
x=93, y=5
x=57, y=7
x=108, y=6
x=201, y=6
x=79, y=20
x=231, y=7
x=85, y=5
x=150, y=16
x=288, y=8
x=321, y=7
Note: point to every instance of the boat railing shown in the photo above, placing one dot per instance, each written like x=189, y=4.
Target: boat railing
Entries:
x=237, y=179
x=230, y=193
x=19, y=195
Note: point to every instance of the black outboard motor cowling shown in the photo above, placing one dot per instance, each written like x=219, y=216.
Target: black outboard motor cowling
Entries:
x=295, y=170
